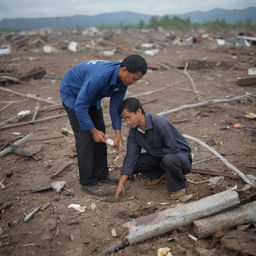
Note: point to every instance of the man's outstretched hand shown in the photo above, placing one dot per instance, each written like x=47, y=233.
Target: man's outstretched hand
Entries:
x=121, y=187
x=120, y=190
x=98, y=136
x=118, y=140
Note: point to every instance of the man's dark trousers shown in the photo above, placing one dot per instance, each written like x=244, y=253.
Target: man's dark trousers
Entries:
x=92, y=156
x=153, y=167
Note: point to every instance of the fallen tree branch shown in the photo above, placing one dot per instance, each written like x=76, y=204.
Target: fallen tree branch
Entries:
x=164, y=221
x=215, y=173
x=156, y=90
x=66, y=167
x=114, y=248
x=16, y=143
x=52, y=107
x=30, y=96
x=37, y=107
x=210, y=225
x=203, y=160
x=229, y=165
x=9, y=103
x=192, y=82
x=20, y=116
x=33, y=122
x=203, y=103
x=48, y=138
x=6, y=106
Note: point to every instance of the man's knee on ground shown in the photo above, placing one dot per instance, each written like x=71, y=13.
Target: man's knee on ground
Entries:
x=170, y=160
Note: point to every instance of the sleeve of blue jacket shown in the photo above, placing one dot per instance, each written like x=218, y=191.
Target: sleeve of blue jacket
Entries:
x=84, y=100
x=115, y=101
x=132, y=155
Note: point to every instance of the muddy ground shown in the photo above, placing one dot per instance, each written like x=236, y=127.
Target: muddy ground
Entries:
x=61, y=231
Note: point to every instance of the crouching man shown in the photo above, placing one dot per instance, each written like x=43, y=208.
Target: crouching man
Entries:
x=167, y=152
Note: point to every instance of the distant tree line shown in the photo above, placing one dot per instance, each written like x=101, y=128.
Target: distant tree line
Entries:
x=178, y=23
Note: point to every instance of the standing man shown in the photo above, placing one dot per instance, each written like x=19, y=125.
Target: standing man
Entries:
x=167, y=152
x=81, y=91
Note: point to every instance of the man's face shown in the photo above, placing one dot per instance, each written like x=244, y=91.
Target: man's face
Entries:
x=132, y=119
x=129, y=78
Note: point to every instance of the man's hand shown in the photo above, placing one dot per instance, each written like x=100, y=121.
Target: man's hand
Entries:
x=118, y=140
x=98, y=136
x=121, y=188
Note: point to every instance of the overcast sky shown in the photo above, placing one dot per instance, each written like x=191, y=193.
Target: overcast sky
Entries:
x=58, y=8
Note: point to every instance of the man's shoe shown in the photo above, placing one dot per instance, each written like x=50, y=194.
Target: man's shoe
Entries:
x=177, y=194
x=156, y=181
x=96, y=190
x=111, y=179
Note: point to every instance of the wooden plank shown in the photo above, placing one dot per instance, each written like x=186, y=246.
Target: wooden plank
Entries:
x=210, y=225
x=247, y=81
x=159, y=223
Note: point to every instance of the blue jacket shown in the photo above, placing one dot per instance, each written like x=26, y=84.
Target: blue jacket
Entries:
x=86, y=84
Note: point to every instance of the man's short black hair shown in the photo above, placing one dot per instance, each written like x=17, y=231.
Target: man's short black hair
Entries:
x=135, y=63
x=132, y=105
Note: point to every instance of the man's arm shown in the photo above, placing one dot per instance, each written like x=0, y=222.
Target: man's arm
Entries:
x=132, y=155
x=115, y=101
x=85, y=97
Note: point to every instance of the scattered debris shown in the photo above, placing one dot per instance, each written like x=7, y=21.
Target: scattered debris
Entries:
x=228, y=219
x=15, y=144
x=245, y=244
x=77, y=207
x=47, y=49
x=31, y=214
x=215, y=173
x=113, y=232
x=56, y=185
x=166, y=251
x=66, y=167
x=154, y=67
x=238, y=126
x=35, y=73
x=72, y=46
x=206, y=252
x=252, y=71
x=93, y=206
x=193, y=237
x=247, y=81
x=247, y=40
x=5, y=49
x=164, y=221
x=250, y=115
x=20, y=116
x=215, y=180
x=152, y=52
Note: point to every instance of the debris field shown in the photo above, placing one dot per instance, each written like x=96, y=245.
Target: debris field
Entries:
x=205, y=87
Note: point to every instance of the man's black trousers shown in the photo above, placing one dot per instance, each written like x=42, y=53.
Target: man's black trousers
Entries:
x=92, y=156
x=173, y=167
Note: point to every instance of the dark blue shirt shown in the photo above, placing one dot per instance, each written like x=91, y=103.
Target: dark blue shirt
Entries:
x=86, y=84
x=159, y=139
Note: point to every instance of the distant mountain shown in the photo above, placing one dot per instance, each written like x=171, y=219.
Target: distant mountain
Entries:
x=122, y=18
x=230, y=16
x=72, y=22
